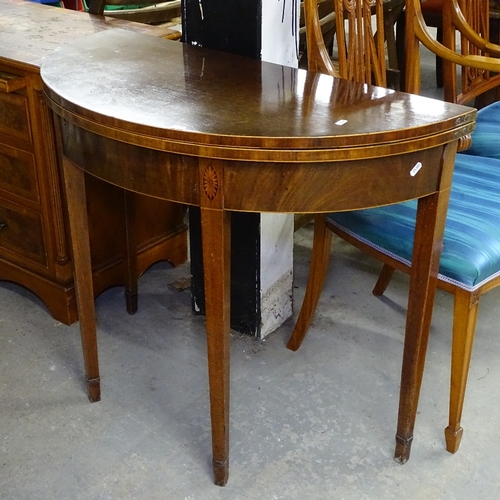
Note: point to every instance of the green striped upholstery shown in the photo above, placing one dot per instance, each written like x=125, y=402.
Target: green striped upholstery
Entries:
x=471, y=251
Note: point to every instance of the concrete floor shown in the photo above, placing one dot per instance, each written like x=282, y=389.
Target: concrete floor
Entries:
x=315, y=424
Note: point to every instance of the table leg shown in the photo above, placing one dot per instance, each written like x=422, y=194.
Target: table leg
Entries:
x=74, y=179
x=216, y=242
x=130, y=255
x=431, y=216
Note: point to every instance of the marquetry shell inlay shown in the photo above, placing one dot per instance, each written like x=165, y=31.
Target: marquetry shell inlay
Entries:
x=210, y=182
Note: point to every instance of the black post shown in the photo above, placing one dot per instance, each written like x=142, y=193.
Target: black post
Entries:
x=231, y=26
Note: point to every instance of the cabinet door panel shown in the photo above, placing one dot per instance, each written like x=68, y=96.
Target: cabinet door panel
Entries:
x=21, y=233
x=18, y=173
x=14, y=117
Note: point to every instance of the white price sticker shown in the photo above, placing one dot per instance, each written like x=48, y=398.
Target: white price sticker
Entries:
x=415, y=169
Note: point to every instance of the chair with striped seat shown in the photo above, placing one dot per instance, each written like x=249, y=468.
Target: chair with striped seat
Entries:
x=470, y=261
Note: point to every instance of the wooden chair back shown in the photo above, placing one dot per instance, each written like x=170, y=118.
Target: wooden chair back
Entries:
x=470, y=20
x=326, y=21
x=360, y=41
x=466, y=83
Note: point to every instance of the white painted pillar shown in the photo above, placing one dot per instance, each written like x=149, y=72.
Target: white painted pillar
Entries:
x=280, y=25
x=263, y=249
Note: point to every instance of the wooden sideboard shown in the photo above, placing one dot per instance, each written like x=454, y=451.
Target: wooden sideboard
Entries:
x=34, y=240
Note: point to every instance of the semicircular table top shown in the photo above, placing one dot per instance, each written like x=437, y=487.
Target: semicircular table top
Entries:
x=180, y=92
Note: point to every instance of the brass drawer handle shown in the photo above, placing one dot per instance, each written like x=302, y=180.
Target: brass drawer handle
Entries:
x=3, y=225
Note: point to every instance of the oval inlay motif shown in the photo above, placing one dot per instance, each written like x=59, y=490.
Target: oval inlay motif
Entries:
x=210, y=182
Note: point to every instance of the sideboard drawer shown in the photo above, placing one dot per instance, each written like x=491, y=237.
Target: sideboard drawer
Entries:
x=14, y=116
x=10, y=82
x=18, y=173
x=21, y=232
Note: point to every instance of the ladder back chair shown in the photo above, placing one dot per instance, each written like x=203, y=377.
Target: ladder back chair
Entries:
x=470, y=260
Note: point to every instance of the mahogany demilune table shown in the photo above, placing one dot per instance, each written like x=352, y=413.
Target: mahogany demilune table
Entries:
x=227, y=133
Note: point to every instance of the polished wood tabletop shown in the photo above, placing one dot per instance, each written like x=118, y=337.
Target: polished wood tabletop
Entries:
x=227, y=133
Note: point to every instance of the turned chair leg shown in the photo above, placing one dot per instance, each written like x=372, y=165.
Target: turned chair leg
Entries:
x=464, y=325
x=317, y=272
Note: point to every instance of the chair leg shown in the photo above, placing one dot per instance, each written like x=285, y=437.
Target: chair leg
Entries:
x=391, y=17
x=317, y=272
x=401, y=49
x=439, y=62
x=464, y=325
x=130, y=254
x=383, y=280
x=391, y=44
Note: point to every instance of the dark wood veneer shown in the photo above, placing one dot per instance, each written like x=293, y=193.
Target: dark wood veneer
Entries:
x=34, y=241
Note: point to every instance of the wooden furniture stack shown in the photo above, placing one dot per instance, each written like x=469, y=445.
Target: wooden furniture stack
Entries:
x=34, y=241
